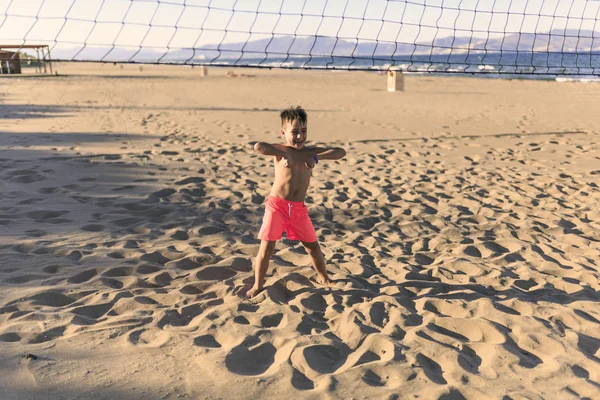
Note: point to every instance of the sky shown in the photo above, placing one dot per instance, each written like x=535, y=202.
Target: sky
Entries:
x=70, y=25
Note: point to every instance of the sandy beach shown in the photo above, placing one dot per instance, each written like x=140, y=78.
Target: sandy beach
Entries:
x=462, y=232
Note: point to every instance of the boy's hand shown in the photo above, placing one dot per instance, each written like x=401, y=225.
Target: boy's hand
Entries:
x=310, y=163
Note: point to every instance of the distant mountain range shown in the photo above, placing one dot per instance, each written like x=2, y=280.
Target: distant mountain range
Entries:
x=526, y=42
x=559, y=41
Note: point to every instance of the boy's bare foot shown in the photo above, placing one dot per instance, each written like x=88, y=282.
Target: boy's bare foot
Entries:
x=254, y=291
x=324, y=281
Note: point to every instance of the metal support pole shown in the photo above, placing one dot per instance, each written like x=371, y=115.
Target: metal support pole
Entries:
x=38, y=69
x=49, y=59
x=44, y=56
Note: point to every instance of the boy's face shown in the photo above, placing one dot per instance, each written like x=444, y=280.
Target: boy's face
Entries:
x=294, y=133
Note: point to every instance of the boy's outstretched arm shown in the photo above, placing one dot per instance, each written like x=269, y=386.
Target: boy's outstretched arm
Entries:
x=333, y=153
x=267, y=149
x=278, y=151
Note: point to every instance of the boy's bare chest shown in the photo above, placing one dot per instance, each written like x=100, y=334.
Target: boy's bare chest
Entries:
x=297, y=172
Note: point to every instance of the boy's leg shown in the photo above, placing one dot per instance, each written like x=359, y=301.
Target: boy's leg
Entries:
x=318, y=260
x=261, y=266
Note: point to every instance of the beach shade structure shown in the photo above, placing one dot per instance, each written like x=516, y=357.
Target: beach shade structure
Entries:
x=10, y=59
x=534, y=37
x=10, y=62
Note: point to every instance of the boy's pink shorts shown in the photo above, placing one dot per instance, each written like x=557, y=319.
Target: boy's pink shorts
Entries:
x=289, y=216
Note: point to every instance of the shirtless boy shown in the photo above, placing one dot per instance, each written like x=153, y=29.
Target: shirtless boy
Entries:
x=285, y=209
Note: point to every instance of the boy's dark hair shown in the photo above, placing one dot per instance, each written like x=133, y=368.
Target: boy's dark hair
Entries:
x=292, y=114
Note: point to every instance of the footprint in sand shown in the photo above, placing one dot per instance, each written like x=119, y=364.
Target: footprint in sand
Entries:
x=300, y=381
x=17, y=280
x=46, y=215
x=83, y=276
x=272, y=321
x=25, y=176
x=118, y=272
x=320, y=359
x=208, y=341
x=180, y=235
x=126, y=222
x=93, y=312
x=25, y=247
x=10, y=337
x=146, y=269
x=36, y=233
x=74, y=255
x=432, y=370
x=51, y=269
x=193, y=262
x=149, y=338
x=93, y=228
x=47, y=335
x=121, y=254
x=251, y=357
x=49, y=299
x=215, y=274
x=191, y=289
x=155, y=257
x=161, y=279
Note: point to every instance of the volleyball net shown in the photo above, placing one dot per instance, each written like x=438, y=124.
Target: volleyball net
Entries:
x=539, y=37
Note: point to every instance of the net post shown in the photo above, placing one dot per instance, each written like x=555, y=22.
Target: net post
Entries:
x=203, y=71
x=395, y=81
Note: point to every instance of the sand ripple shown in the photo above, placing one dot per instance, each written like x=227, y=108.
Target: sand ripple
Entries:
x=448, y=274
